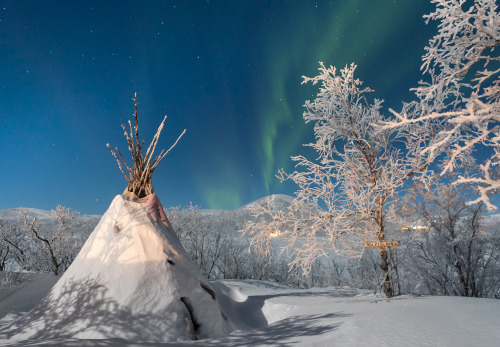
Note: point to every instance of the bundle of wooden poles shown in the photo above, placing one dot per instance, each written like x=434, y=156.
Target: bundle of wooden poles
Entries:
x=141, y=171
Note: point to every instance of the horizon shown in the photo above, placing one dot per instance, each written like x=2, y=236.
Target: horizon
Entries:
x=165, y=207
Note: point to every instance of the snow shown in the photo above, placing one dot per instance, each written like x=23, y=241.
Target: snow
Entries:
x=279, y=202
x=19, y=299
x=121, y=284
x=132, y=279
x=12, y=215
x=267, y=314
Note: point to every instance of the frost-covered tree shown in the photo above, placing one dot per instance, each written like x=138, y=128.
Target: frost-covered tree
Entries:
x=15, y=248
x=7, y=250
x=49, y=245
x=458, y=105
x=347, y=194
x=212, y=242
x=4, y=252
x=458, y=253
x=57, y=247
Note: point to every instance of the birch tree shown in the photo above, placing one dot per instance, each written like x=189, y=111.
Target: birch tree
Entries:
x=458, y=105
x=212, y=242
x=458, y=252
x=12, y=247
x=347, y=195
x=58, y=244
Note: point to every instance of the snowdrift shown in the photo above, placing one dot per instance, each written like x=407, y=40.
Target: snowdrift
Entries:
x=131, y=280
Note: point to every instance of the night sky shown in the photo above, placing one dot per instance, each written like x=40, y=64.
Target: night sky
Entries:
x=227, y=71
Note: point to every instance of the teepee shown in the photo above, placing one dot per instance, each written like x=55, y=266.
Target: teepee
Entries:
x=132, y=279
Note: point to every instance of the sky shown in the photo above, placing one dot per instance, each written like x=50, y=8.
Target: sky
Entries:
x=229, y=72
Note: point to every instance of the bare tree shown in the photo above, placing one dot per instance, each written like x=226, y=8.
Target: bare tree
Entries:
x=458, y=253
x=5, y=248
x=59, y=243
x=459, y=106
x=212, y=242
x=15, y=248
x=346, y=196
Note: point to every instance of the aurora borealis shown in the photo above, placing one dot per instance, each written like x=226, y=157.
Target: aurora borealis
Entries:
x=227, y=71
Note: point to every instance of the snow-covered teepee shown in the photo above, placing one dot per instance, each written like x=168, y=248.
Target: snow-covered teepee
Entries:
x=132, y=279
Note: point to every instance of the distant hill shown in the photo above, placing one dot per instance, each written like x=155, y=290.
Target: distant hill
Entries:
x=279, y=202
x=240, y=215
x=12, y=216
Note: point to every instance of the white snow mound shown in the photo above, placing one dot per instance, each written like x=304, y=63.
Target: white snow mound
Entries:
x=133, y=280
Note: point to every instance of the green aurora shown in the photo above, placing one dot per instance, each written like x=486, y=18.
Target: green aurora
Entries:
x=229, y=72
x=384, y=40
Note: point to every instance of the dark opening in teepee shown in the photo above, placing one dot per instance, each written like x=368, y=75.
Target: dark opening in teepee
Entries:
x=140, y=173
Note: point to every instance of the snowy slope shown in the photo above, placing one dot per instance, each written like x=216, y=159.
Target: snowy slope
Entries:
x=279, y=202
x=267, y=314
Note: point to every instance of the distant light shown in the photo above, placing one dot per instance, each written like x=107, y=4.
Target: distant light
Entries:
x=415, y=227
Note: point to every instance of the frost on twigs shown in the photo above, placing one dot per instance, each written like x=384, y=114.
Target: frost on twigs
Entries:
x=458, y=108
x=458, y=249
x=141, y=171
x=346, y=195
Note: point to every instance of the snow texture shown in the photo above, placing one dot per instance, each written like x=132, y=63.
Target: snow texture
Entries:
x=268, y=314
x=133, y=280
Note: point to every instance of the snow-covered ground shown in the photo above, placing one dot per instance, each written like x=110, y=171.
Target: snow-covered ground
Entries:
x=267, y=314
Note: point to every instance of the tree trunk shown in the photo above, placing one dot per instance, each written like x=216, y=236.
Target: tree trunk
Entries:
x=393, y=254
x=384, y=265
